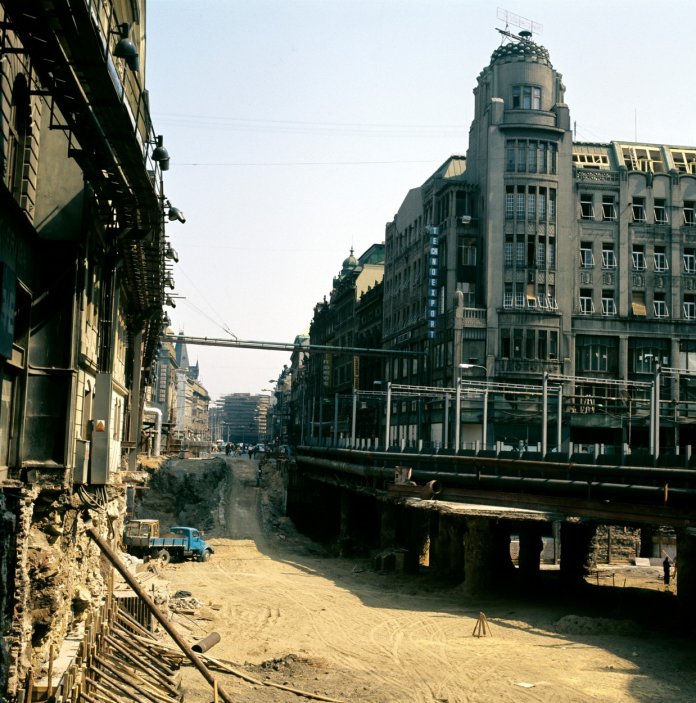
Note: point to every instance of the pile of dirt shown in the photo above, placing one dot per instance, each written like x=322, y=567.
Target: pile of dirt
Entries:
x=185, y=492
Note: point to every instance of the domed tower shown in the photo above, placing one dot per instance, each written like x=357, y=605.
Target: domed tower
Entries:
x=520, y=156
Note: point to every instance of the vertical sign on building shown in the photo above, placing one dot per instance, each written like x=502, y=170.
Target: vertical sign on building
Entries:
x=433, y=253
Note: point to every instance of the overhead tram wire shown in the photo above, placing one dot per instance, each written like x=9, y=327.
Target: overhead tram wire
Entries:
x=287, y=346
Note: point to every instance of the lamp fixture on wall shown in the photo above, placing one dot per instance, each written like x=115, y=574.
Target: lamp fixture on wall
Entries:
x=171, y=254
x=160, y=154
x=125, y=49
x=173, y=213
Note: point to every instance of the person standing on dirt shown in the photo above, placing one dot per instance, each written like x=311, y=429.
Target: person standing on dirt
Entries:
x=666, y=567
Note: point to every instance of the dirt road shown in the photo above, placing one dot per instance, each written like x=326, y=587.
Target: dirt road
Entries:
x=289, y=614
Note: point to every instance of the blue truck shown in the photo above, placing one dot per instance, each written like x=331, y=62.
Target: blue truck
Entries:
x=142, y=539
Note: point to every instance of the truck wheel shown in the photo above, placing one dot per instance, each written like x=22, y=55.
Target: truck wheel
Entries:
x=164, y=556
x=205, y=556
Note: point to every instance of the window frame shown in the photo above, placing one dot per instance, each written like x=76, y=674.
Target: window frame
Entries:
x=586, y=255
x=638, y=209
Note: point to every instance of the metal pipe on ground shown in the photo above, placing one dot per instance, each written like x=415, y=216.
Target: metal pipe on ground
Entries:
x=206, y=643
x=138, y=589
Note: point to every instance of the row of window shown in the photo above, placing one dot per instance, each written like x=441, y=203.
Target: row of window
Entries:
x=530, y=296
x=530, y=203
x=526, y=97
x=538, y=252
x=531, y=156
x=527, y=343
x=638, y=210
x=638, y=305
x=638, y=257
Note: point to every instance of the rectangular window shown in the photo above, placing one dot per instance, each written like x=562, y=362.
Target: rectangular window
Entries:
x=689, y=213
x=536, y=98
x=608, y=256
x=609, y=208
x=608, y=304
x=529, y=345
x=541, y=255
x=586, y=255
x=552, y=204
x=596, y=353
x=586, y=206
x=638, y=209
x=520, y=203
x=531, y=204
x=552, y=254
x=660, y=211
x=508, y=254
x=638, y=257
x=517, y=343
x=553, y=345
x=660, y=259
x=509, y=203
x=527, y=97
x=586, y=304
x=510, y=147
x=542, y=344
x=521, y=155
x=689, y=260
x=638, y=303
x=660, y=306
x=531, y=157
x=468, y=255
x=507, y=296
x=689, y=306
x=519, y=252
x=505, y=343
x=542, y=205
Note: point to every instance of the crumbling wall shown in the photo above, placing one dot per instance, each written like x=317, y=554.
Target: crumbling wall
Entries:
x=185, y=492
x=8, y=522
x=59, y=574
x=614, y=544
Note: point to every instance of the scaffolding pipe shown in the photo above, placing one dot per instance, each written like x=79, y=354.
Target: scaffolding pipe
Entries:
x=138, y=589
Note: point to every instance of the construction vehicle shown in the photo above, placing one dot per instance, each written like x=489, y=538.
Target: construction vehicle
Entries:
x=142, y=538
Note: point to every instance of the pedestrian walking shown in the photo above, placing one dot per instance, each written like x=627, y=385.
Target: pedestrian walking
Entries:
x=667, y=567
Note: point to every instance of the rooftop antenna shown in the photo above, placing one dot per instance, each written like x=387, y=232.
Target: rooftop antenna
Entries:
x=526, y=26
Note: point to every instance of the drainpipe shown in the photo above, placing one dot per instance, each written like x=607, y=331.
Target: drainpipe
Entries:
x=158, y=427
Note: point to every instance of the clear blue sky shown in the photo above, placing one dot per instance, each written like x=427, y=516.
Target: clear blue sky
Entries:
x=296, y=127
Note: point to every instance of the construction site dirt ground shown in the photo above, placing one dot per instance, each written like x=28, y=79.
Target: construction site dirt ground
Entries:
x=290, y=614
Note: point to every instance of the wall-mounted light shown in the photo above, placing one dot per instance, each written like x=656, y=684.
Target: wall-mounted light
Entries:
x=125, y=49
x=168, y=301
x=169, y=282
x=173, y=213
x=166, y=320
x=160, y=154
x=171, y=254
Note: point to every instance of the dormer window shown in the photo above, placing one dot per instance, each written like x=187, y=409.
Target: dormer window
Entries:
x=526, y=97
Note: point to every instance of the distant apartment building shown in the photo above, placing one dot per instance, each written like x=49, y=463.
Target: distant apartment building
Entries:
x=534, y=254
x=350, y=317
x=243, y=418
